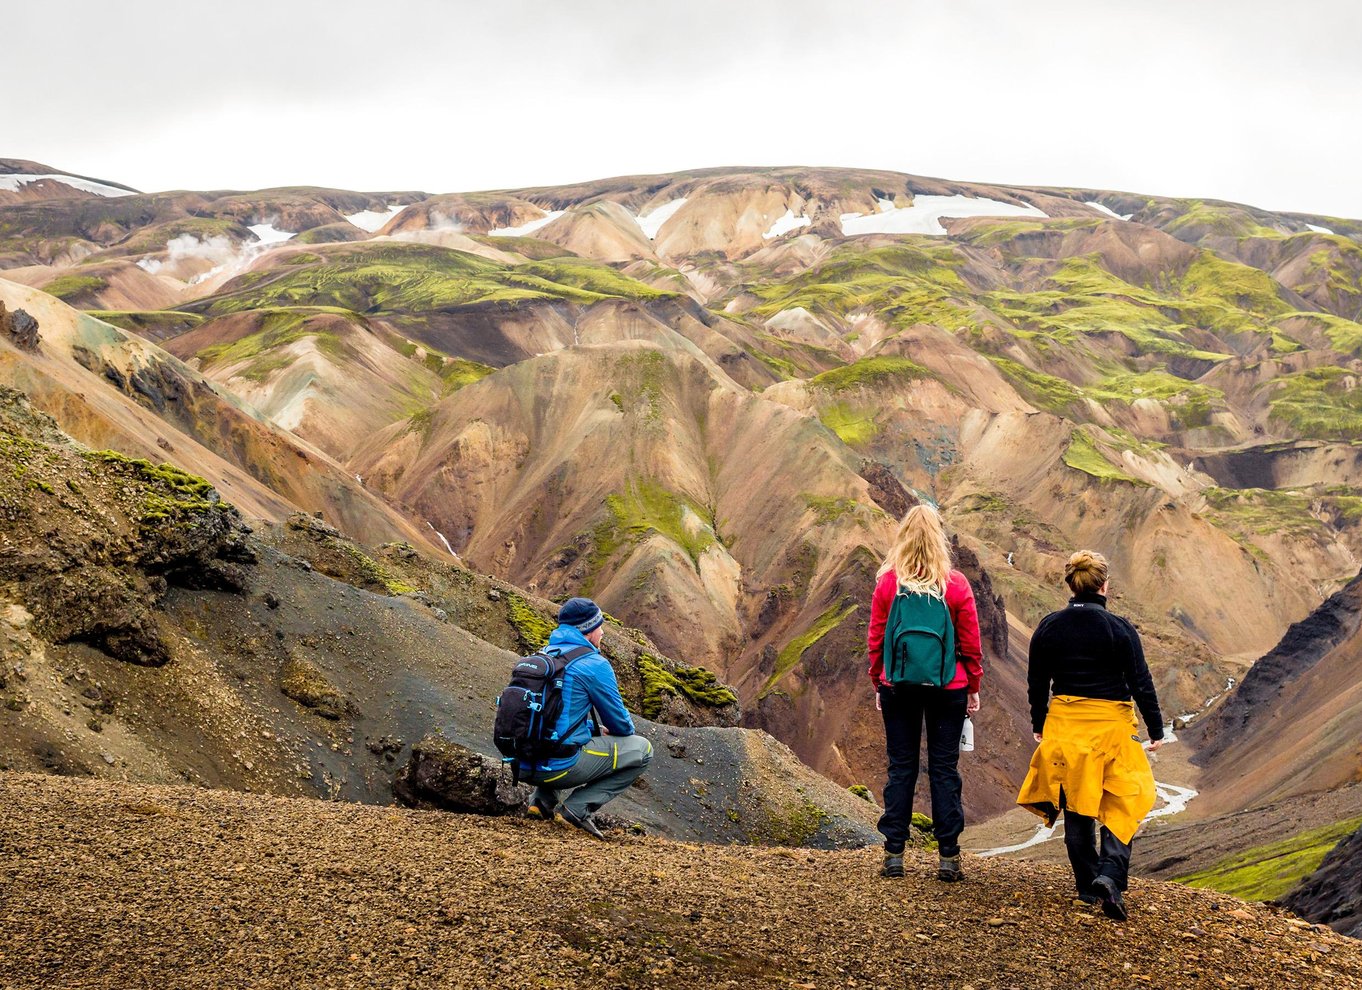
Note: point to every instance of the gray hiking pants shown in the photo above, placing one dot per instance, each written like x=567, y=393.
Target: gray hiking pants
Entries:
x=604, y=768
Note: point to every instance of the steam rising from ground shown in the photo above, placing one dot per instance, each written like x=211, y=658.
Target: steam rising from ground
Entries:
x=220, y=252
x=437, y=225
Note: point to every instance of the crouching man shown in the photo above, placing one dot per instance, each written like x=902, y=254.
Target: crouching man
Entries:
x=604, y=765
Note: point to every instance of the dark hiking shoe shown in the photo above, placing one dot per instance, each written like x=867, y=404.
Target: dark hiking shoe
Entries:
x=540, y=809
x=893, y=865
x=1113, y=904
x=948, y=869
x=582, y=822
x=1092, y=899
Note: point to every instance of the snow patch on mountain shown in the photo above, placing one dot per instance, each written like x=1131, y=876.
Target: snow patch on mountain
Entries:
x=652, y=221
x=786, y=224
x=527, y=228
x=926, y=213
x=1319, y=230
x=1108, y=211
x=12, y=182
x=268, y=234
x=372, y=220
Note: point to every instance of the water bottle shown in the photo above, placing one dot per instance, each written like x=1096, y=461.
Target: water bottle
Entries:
x=967, y=736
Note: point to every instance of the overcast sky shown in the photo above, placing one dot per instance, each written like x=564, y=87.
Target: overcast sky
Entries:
x=1250, y=101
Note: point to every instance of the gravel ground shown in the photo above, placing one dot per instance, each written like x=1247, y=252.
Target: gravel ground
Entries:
x=106, y=884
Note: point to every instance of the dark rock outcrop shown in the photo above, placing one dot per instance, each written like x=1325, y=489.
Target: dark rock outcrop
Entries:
x=19, y=328
x=1332, y=895
x=1305, y=644
x=445, y=775
x=886, y=490
x=991, y=608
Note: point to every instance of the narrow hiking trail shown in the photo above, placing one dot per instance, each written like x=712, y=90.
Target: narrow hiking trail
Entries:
x=117, y=885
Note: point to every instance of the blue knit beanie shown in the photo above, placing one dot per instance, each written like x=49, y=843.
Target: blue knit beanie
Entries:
x=583, y=613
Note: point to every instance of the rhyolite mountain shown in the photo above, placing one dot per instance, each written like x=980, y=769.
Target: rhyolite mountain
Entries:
x=705, y=398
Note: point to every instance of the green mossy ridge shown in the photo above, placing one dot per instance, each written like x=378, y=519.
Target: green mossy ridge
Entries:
x=1087, y=299
x=413, y=278
x=278, y=328
x=1227, y=296
x=868, y=373
x=853, y=428
x=134, y=320
x=1083, y=455
x=1265, y=512
x=376, y=573
x=528, y=247
x=695, y=683
x=532, y=628
x=1192, y=403
x=648, y=508
x=1003, y=231
x=827, y=509
x=861, y=791
x=1043, y=391
x=1266, y=872
x=903, y=284
x=456, y=373
x=73, y=286
x=1216, y=219
x=795, y=824
x=172, y=494
x=1345, y=336
x=1322, y=403
x=794, y=650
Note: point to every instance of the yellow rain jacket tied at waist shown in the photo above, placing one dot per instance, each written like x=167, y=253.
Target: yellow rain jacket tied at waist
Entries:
x=1090, y=752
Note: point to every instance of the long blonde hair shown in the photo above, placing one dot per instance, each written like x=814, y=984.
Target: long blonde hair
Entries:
x=920, y=556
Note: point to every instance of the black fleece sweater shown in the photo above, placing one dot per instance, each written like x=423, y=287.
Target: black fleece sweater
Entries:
x=1085, y=651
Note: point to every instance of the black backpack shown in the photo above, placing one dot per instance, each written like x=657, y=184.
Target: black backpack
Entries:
x=529, y=708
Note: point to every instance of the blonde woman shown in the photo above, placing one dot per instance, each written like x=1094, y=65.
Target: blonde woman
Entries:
x=925, y=664
x=1089, y=763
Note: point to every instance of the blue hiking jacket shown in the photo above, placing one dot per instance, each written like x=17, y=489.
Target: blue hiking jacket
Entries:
x=588, y=681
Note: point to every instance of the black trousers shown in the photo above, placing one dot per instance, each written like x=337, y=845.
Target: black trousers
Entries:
x=1089, y=861
x=906, y=709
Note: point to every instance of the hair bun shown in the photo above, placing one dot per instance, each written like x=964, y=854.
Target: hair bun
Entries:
x=1086, y=571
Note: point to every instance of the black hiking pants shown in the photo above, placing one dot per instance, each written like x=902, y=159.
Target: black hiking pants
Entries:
x=906, y=709
x=1089, y=860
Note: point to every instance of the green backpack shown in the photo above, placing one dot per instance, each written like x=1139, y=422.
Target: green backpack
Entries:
x=919, y=641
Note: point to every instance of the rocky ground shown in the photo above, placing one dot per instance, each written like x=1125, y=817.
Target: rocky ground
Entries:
x=106, y=884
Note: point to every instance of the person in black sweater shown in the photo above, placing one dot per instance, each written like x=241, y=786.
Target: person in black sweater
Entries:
x=1084, y=651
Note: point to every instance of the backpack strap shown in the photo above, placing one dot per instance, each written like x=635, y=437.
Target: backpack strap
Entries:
x=568, y=656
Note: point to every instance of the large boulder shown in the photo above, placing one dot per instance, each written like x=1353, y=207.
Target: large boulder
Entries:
x=442, y=774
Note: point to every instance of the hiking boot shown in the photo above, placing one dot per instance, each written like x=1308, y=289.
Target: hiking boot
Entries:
x=1113, y=904
x=893, y=865
x=1091, y=899
x=540, y=808
x=582, y=822
x=948, y=869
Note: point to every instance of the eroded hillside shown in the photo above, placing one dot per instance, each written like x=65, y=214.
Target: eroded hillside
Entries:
x=704, y=398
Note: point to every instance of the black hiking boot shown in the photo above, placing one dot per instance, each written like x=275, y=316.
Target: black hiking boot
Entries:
x=1091, y=899
x=893, y=865
x=1113, y=904
x=582, y=822
x=540, y=808
x=948, y=869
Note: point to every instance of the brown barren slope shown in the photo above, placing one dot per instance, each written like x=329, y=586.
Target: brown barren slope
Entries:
x=109, y=885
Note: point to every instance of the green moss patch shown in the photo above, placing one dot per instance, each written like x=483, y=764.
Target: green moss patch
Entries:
x=1267, y=872
x=853, y=427
x=1043, y=391
x=648, y=508
x=1190, y=403
x=532, y=628
x=797, y=647
x=1084, y=455
x=695, y=683
x=69, y=287
x=1322, y=403
x=170, y=494
x=869, y=373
